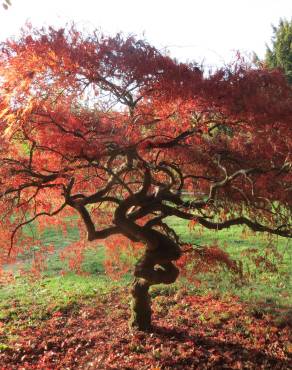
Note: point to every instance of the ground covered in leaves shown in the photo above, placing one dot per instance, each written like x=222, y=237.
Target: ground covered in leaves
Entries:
x=190, y=332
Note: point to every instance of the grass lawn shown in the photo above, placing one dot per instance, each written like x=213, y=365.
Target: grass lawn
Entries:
x=269, y=282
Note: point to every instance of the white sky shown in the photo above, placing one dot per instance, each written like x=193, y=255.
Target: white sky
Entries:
x=200, y=30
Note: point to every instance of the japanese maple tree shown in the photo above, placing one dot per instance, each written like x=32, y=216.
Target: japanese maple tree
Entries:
x=112, y=129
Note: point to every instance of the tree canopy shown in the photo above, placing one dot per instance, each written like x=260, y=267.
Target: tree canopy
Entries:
x=112, y=129
x=280, y=55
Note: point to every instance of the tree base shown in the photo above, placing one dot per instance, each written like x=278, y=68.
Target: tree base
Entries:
x=141, y=306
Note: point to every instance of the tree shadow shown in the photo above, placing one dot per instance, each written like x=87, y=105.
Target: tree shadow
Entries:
x=210, y=353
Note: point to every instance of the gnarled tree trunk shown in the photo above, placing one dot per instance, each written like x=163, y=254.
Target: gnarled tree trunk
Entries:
x=155, y=267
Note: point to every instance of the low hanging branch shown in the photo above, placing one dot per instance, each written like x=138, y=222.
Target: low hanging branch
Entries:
x=20, y=225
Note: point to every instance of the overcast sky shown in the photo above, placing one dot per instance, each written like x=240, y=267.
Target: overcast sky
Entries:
x=200, y=30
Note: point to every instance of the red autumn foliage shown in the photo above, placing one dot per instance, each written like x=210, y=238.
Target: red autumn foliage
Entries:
x=205, y=259
x=120, y=255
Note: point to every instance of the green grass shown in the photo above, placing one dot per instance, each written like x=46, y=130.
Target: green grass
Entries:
x=27, y=302
x=260, y=284
x=52, y=236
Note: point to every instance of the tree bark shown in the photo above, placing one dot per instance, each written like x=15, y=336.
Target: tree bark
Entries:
x=140, y=306
x=149, y=271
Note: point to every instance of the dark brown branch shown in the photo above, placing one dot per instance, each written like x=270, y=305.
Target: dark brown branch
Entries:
x=175, y=141
x=93, y=234
x=255, y=226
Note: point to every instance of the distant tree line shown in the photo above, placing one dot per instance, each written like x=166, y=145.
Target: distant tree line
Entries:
x=280, y=52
